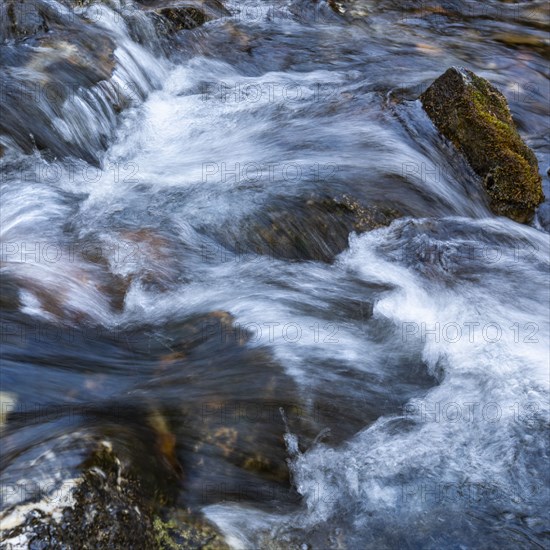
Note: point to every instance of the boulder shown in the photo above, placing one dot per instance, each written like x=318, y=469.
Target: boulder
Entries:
x=315, y=228
x=471, y=113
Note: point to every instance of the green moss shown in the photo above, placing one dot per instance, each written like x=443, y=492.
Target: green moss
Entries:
x=162, y=534
x=475, y=117
x=184, y=531
x=183, y=17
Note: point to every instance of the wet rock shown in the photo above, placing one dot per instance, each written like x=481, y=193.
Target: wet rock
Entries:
x=183, y=18
x=475, y=117
x=230, y=429
x=152, y=257
x=57, y=301
x=87, y=59
x=9, y=293
x=171, y=17
x=315, y=229
x=7, y=402
x=102, y=509
x=183, y=530
x=48, y=66
x=203, y=425
x=106, y=507
x=536, y=42
x=19, y=19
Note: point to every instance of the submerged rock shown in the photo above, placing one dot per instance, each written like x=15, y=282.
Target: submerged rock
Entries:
x=18, y=19
x=475, y=117
x=54, y=59
x=9, y=293
x=174, y=16
x=230, y=430
x=313, y=229
x=7, y=401
x=205, y=424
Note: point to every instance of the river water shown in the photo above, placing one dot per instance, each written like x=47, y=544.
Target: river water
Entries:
x=408, y=376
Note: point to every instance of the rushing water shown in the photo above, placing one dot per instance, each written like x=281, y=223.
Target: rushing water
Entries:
x=423, y=347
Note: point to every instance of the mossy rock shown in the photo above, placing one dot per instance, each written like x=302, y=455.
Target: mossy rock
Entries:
x=183, y=18
x=475, y=117
x=182, y=530
x=108, y=508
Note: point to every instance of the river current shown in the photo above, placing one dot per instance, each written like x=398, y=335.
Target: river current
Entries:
x=417, y=357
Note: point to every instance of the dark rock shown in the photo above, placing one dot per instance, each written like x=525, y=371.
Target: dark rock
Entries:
x=51, y=55
x=233, y=429
x=183, y=18
x=475, y=117
x=535, y=41
x=19, y=19
x=9, y=293
x=314, y=229
x=82, y=59
x=171, y=17
x=107, y=508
